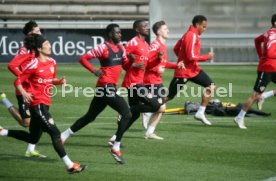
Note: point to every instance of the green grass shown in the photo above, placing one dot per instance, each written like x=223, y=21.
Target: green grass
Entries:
x=190, y=150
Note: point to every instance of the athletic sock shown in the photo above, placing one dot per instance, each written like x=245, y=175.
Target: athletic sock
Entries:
x=267, y=94
x=30, y=148
x=201, y=110
x=241, y=114
x=116, y=145
x=7, y=103
x=150, y=130
x=4, y=132
x=64, y=135
x=113, y=138
x=68, y=163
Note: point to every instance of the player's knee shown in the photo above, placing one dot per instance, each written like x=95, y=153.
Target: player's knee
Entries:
x=162, y=108
x=26, y=122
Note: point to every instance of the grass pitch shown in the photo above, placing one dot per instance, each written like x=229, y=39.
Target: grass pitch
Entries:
x=190, y=151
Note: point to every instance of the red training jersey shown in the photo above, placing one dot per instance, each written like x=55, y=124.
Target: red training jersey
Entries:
x=110, y=66
x=18, y=64
x=151, y=75
x=40, y=76
x=187, y=49
x=140, y=49
x=267, y=53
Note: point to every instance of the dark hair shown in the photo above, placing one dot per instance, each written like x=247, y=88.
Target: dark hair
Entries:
x=34, y=41
x=156, y=26
x=29, y=27
x=273, y=19
x=137, y=23
x=198, y=19
x=110, y=28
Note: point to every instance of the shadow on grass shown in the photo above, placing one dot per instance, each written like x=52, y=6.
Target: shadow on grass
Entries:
x=8, y=157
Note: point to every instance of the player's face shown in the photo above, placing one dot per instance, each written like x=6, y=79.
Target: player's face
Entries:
x=201, y=27
x=36, y=30
x=46, y=48
x=143, y=28
x=164, y=31
x=116, y=35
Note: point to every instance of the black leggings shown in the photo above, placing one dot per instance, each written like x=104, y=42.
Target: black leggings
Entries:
x=105, y=96
x=139, y=102
x=41, y=120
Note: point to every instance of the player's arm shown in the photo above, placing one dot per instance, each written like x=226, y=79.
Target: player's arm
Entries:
x=177, y=47
x=94, y=53
x=15, y=63
x=23, y=77
x=258, y=45
x=127, y=61
x=190, y=41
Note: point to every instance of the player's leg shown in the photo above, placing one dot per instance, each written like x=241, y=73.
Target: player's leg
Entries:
x=267, y=94
x=161, y=93
x=204, y=80
x=176, y=85
x=46, y=123
x=261, y=83
x=11, y=108
x=119, y=104
x=24, y=111
x=97, y=105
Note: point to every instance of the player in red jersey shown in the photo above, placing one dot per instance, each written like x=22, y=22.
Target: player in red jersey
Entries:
x=41, y=74
x=187, y=50
x=266, y=48
x=112, y=57
x=153, y=75
x=16, y=66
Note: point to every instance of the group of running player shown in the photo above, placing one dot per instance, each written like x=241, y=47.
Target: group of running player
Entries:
x=144, y=64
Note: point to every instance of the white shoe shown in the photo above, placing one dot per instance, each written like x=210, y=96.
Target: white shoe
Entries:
x=145, y=119
x=240, y=122
x=153, y=136
x=202, y=118
x=260, y=103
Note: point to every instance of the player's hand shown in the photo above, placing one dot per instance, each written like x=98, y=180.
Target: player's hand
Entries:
x=161, y=69
x=98, y=73
x=160, y=55
x=180, y=65
x=131, y=57
x=62, y=81
x=139, y=65
x=211, y=55
x=27, y=97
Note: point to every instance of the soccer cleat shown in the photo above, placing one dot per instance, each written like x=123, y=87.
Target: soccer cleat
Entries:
x=145, y=119
x=77, y=168
x=202, y=118
x=34, y=153
x=154, y=137
x=260, y=103
x=240, y=122
x=117, y=156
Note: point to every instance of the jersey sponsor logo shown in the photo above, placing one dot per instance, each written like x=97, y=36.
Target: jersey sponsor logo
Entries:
x=41, y=70
x=41, y=80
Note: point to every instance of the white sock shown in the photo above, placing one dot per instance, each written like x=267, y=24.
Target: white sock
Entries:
x=241, y=114
x=7, y=103
x=267, y=94
x=150, y=130
x=116, y=145
x=65, y=134
x=113, y=138
x=68, y=163
x=4, y=132
x=30, y=148
x=201, y=110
